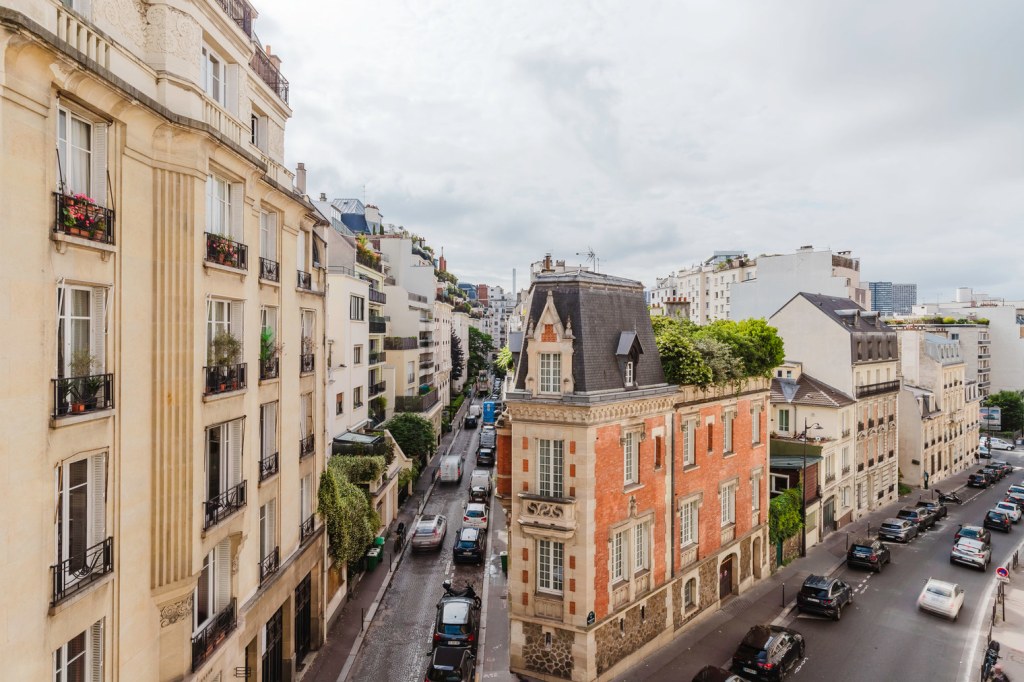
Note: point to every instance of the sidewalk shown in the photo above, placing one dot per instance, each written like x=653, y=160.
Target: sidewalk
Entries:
x=1010, y=632
x=332, y=661
x=493, y=659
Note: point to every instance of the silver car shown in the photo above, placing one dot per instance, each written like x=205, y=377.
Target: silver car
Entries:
x=429, y=532
x=971, y=552
x=900, y=530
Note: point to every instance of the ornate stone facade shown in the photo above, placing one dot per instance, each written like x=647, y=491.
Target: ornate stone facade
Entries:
x=175, y=611
x=555, y=659
x=636, y=627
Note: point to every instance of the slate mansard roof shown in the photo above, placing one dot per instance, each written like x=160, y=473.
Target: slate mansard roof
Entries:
x=808, y=391
x=609, y=320
x=847, y=313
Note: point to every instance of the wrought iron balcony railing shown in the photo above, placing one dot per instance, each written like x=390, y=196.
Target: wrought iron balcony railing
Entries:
x=877, y=389
x=224, y=378
x=400, y=342
x=81, y=395
x=268, y=466
x=270, y=270
x=377, y=388
x=269, y=73
x=378, y=296
x=307, y=527
x=223, y=505
x=240, y=12
x=375, y=358
x=304, y=280
x=307, y=362
x=79, y=216
x=270, y=368
x=74, y=574
x=307, y=445
x=206, y=641
x=224, y=251
x=269, y=564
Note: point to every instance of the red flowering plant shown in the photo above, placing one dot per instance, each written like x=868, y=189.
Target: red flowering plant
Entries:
x=79, y=213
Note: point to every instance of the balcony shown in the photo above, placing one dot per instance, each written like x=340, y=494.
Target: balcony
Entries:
x=79, y=216
x=378, y=325
x=75, y=574
x=268, y=466
x=846, y=432
x=378, y=296
x=240, y=12
x=268, y=72
x=224, y=378
x=270, y=270
x=307, y=527
x=304, y=280
x=427, y=379
x=270, y=368
x=227, y=252
x=377, y=388
x=846, y=469
x=370, y=260
x=830, y=478
x=878, y=389
x=206, y=641
x=82, y=395
x=417, y=298
x=400, y=343
x=426, y=364
x=375, y=358
x=223, y=505
x=415, y=403
x=553, y=516
x=269, y=564
x=306, y=446
x=307, y=363
x=871, y=423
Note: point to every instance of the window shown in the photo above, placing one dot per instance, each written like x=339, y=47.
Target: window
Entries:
x=711, y=436
x=81, y=156
x=357, y=355
x=844, y=496
x=306, y=414
x=755, y=425
x=356, y=306
x=81, y=658
x=81, y=331
x=690, y=593
x=549, y=471
x=629, y=373
x=268, y=430
x=339, y=404
x=659, y=449
x=268, y=528
x=730, y=417
x=688, y=523
x=81, y=517
x=222, y=316
x=689, y=454
x=618, y=541
x=727, y=497
x=357, y=397
x=549, y=566
x=410, y=372
x=830, y=465
x=223, y=458
x=780, y=483
x=551, y=372
x=755, y=495
x=220, y=209
x=213, y=76
x=783, y=421
x=631, y=458
x=258, y=128
x=213, y=592
x=268, y=235
x=642, y=547
x=305, y=497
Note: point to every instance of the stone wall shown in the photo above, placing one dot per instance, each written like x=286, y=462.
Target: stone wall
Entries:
x=621, y=636
x=707, y=583
x=745, y=558
x=556, y=659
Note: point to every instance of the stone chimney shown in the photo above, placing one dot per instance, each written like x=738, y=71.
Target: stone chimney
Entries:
x=547, y=264
x=323, y=196
x=300, y=178
x=274, y=59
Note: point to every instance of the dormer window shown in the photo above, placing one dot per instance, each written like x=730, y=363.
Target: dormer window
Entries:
x=550, y=372
x=629, y=373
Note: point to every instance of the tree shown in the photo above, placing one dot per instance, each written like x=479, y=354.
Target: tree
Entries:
x=480, y=345
x=1012, y=404
x=784, y=515
x=503, y=363
x=458, y=358
x=414, y=434
x=681, y=362
x=718, y=356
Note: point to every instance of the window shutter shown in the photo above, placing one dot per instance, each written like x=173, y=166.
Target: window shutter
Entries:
x=271, y=236
x=98, y=328
x=98, y=501
x=223, y=575
x=271, y=527
x=303, y=498
x=236, y=200
x=99, y=164
x=237, y=329
x=235, y=452
x=230, y=86
x=300, y=251
x=96, y=650
x=302, y=416
x=272, y=428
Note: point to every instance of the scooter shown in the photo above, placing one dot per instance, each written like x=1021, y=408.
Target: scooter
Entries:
x=466, y=591
x=989, y=667
x=948, y=497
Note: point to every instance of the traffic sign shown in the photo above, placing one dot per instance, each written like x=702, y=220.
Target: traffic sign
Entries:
x=1002, y=574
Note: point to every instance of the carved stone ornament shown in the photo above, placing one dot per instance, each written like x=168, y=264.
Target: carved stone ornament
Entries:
x=171, y=31
x=175, y=611
x=126, y=15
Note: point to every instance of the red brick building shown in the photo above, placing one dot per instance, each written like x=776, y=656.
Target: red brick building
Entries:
x=636, y=506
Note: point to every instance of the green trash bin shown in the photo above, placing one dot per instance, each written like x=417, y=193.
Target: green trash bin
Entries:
x=379, y=541
x=372, y=558
x=504, y=563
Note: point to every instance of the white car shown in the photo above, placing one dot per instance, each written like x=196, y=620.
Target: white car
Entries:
x=1015, y=490
x=475, y=516
x=941, y=597
x=1010, y=509
x=997, y=443
x=972, y=552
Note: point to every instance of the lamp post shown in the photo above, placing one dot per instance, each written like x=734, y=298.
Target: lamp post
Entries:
x=803, y=488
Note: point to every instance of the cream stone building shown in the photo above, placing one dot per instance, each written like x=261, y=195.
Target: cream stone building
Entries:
x=163, y=348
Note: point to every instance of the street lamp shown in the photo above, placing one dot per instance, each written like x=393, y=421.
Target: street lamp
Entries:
x=803, y=487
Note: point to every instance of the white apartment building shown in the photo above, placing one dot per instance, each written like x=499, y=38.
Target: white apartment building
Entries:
x=703, y=293
x=975, y=348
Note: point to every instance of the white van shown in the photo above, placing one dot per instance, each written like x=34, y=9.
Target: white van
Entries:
x=474, y=411
x=451, y=469
x=997, y=443
x=480, y=485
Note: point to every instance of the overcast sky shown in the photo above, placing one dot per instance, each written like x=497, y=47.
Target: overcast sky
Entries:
x=658, y=132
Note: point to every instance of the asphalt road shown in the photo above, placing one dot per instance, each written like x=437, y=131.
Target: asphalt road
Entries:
x=398, y=643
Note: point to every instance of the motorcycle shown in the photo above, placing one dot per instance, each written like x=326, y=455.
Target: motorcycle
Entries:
x=991, y=671
x=466, y=591
x=948, y=497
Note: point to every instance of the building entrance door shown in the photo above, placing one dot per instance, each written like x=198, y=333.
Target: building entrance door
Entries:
x=725, y=579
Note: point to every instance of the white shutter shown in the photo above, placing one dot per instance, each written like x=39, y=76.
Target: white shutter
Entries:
x=236, y=200
x=302, y=416
x=230, y=85
x=271, y=527
x=303, y=499
x=99, y=164
x=222, y=575
x=98, y=329
x=235, y=452
x=96, y=651
x=300, y=251
x=272, y=236
x=271, y=429
x=98, y=499
x=237, y=330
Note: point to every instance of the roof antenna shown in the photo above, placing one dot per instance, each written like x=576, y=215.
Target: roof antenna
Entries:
x=591, y=257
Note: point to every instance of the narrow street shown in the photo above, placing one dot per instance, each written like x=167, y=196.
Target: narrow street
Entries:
x=398, y=641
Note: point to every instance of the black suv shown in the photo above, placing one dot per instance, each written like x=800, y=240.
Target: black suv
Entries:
x=868, y=553
x=997, y=520
x=768, y=652
x=977, y=481
x=923, y=518
x=450, y=664
x=938, y=510
x=469, y=547
x=457, y=623
x=485, y=457
x=826, y=596
x=470, y=421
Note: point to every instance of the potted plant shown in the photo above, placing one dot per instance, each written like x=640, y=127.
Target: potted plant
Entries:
x=85, y=385
x=225, y=351
x=269, y=351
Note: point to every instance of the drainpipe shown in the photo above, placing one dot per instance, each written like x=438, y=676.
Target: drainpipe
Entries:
x=670, y=463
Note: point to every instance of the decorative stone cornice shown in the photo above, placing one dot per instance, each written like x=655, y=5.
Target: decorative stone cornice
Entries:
x=563, y=413
x=176, y=611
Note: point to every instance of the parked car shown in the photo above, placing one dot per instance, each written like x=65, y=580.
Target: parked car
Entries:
x=480, y=485
x=826, y=596
x=429, y=532
x=1016, y=489
x=1002, y=464
x=900, y=530
x=475, y=515
x=922, y=517
x=977, y=481
x=1016, y=500
x=485, y=457
x=940, y=511
x=993, y=443
x=712, y=673
x=469, y=547
x=451, y=664
x=997, y=520
x=971, y=552
x=984, y=452
x=941, y=597
x=1009, y=508
x=990, y=477
x=997, y=473
x=869, y=553
x=973, y=532
x=470, y=421
x=768, y=652
x=457, y=623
